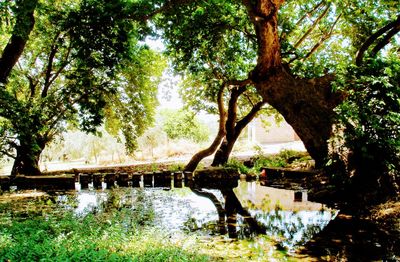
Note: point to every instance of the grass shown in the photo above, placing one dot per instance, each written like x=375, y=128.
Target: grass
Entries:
x=286, y=158
x=43, y=229
x=117, y=234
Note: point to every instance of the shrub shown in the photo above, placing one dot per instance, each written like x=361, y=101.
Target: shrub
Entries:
x=370, y=120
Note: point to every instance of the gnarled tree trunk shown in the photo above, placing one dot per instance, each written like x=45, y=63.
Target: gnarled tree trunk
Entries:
x=27, y=159
x=306, y=104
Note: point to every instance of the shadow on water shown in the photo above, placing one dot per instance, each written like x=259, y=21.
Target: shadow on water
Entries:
x=352, y=239
x=240, y=210
x=249, y=209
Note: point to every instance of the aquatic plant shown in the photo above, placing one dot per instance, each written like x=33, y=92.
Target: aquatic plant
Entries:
x=118, y=234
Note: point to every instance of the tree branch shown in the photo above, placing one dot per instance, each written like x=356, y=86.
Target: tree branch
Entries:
x=315, y=23
x=32, y=85
x=49, y=68
x=53, y=119
x=249, y=35
x=7, y=154
x=385, y=40
x=23, y=26
x=370, y=40
x=165, y=8
x=239, y=83
x=249, y=99
x=232, y=113
x=250, y=116
x=54, y=76
x=325, y=37
x=309, y=13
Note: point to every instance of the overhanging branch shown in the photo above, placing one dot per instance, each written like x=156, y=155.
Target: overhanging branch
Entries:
x=250, y=116
x=23, y=26
x=322, y=40
x=315, y=23
x=385, y=40
x=370, y=40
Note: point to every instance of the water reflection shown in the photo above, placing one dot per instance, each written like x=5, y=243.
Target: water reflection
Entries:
x=286, y=214
x=243, y=210
x=251, y=209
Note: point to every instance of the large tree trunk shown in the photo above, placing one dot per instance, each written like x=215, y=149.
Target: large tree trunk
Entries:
x=307, y=105
x=27, y=160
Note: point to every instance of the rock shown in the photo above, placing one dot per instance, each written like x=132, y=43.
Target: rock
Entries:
x=59, y=182
x=216, y=178
x=4, y=183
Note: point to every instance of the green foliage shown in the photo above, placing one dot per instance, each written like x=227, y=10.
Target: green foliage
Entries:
x=82, y=63
x=176, y=167
x=336, y=38
x=208, y=35
x=238, y=165
x=118, y=234
x=370, y=117
x=363, y=17
x=269, y=161
x=209, y=43
x=285, y=158
x=131, y=110
x=296, y=19
x=183, y=124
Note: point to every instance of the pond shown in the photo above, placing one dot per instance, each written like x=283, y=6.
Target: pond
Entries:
x=241, y=212
x=236, y=215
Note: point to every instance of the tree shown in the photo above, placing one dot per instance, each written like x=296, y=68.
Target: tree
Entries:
x=67, y=62
x=211, y=83
x=183, y=124
x=243, y=105
x=288, y=51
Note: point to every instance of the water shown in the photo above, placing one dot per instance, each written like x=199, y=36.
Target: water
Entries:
x=240, y=212
x=237, y=211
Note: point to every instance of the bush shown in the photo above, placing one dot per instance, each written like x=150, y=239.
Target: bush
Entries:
x=370, y=120
x=285, y=158
x=238, y=165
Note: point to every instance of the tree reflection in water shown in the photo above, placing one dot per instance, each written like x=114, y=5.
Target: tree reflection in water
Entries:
x=242, y=210
x=290, y=227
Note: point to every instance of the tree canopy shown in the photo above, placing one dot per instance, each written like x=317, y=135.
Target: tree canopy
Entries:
x=289, y=52
x=75, y=62
x=72, y=61
x=184, y=124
